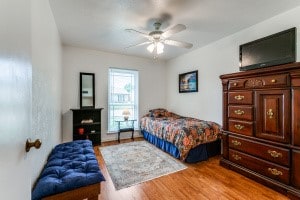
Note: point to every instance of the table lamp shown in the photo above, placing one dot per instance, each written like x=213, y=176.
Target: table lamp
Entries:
x=126, y=114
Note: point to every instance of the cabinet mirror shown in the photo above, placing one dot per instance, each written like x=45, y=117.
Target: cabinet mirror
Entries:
x=87, y=90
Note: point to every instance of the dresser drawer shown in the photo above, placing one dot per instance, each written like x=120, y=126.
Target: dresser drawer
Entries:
x=241, y=112
x=273, y=81
x=265, y=168
x=244, y=97
x=236, y=84
x=242, y=127
x=269, y=152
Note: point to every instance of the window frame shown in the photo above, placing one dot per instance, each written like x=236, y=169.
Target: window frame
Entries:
x=135, y=104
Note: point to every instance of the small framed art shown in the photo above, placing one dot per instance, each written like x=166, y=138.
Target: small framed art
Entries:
x=188, y=82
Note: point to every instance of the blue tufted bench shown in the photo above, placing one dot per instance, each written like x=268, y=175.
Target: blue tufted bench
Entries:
x=71, y=172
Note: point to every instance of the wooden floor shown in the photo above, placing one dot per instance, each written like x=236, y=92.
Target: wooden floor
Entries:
x=204, y=180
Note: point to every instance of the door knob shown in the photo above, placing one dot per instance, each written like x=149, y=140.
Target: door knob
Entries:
x=37, y=144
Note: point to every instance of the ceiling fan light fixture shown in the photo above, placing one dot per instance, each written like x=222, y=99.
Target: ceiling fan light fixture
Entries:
x=157, y=39
x=151, y=47
x=160, y=47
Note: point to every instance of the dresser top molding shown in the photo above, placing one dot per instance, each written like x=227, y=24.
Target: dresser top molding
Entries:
x=267, y=70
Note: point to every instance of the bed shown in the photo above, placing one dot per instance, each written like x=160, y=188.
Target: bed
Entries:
x=188, y=139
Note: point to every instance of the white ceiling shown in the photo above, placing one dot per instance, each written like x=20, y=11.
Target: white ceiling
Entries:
x=100, y=24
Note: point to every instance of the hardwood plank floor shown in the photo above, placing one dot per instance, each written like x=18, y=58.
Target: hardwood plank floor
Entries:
x=204, y=180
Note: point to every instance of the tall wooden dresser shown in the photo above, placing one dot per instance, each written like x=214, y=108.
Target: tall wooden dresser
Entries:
x=261, y=122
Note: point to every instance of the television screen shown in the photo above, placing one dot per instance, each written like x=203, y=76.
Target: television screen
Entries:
x=276, y=49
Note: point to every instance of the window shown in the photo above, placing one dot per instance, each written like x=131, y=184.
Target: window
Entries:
x=122, y=95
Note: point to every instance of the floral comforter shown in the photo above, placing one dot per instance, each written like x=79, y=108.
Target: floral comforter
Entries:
x=184, y=132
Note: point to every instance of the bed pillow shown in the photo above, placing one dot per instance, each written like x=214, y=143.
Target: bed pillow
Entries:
x=171, y=114
x=158, y=112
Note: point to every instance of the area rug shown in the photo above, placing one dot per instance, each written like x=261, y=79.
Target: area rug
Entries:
x=136, y=162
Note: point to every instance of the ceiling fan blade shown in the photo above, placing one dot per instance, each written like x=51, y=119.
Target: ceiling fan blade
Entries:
x=140, y=44
x=175, y=29
x=179, y=44
x=141, y=33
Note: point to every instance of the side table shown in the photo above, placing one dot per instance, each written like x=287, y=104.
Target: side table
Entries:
x=125, y=126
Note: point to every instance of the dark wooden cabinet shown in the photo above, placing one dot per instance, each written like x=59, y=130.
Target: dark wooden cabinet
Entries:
x=296, y=116
x=273, y=114
x=296, y=169
x=261, y=123
x=87, y=124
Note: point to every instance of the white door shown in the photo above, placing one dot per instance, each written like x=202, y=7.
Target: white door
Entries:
x=15, y=99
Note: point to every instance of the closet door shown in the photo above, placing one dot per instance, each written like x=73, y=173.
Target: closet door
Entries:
x=272, y=115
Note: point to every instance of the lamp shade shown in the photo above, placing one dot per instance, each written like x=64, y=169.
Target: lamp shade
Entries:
x=126, y=112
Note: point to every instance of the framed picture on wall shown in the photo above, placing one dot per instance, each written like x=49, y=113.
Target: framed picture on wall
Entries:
x=188, y=82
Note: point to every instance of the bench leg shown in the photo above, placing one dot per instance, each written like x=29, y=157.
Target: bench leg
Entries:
x=119, y=136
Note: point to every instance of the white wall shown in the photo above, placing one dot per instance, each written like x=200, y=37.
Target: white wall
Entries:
x=213, y=60
x=152, y=89
x=46, y=83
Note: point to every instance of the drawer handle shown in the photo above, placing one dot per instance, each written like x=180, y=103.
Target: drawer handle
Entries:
x=273, y=80
x=236, y=143
x=275, y=172
x=270, y=113
x=234, y=84
x=239, y=112
x=238, y=126
x=274, y=154
x=239, y=97
x=236, y=157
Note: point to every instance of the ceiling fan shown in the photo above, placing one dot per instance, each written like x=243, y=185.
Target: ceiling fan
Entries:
x=157, y=38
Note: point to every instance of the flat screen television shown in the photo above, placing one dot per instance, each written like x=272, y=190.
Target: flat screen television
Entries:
x=276, y=49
